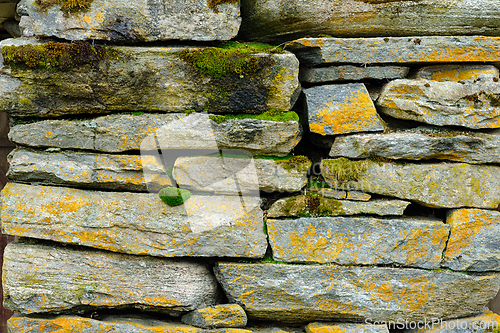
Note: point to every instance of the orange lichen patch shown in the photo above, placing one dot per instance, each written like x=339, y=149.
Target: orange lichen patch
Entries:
x=416, y=237
x=456, y=73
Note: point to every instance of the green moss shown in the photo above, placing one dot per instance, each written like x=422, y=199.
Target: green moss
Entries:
x=495, y=329
x=140, y=113
x=174, y=196
x=312, y=205
x=265, y=227
x=271, y=115
x=344, y=169
x=67, y=6
x=298, y=163
x=189, y=111
x=270, y=260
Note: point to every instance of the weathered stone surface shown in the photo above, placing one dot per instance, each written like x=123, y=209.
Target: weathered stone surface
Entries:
x=457, y=73
x=239, y=175
x=421, y=144
x=100, y=171
x=408, y=242
x=474, y=239
x=350, y=195
x=358, y=196
x=482, y=323
x=402, y=50
x=351, y=73
x=119, y=133
x=302, y=293
x=226, y=315
x=139, y=21
x=299, y=206
x=42, y=278
x=441, y=185
x=468, y=104
x=340, y=109
x=151, y=79
x=136, y=223
x=345, y=328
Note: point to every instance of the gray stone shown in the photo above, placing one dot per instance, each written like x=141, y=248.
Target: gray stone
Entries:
x=225, y=315
x=441, y=185
x=42, y=278
x=408, y=242
x=358, y=196
x=152, y=79
x=136, y=223
x=458, y=73
x=351, y=73
x=139, y=21
x=484, y=322
x=12, y=27
x=400, y=50
x=345, y=328
x=474, y=239
x=304, y=293
x=468, y=104
x=99, y=171
x=239, y=175
x=340, y=109
x=421, y=144
x=119, y=133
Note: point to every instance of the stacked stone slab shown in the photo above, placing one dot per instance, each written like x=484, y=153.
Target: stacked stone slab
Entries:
x=101, y=129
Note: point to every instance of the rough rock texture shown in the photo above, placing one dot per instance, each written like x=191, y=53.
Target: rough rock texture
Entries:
x=151, y=79
x=457, y=73
x=359, y=241
x=139, y=21
x=239, y=175
x=13, y=42
x=474, y=239
x=119, y=133
x=350, y=195
x=301, y=293
x=485, y=322
x=421, y=144
x=345, y=328
x=472, y=105
x=226, y=315
x=99, y=171
x=137, y=223
x=341, y=108
x=348, y=73
x=441, y=185
x=296, y=205
x=42, y=278
x=401, y=50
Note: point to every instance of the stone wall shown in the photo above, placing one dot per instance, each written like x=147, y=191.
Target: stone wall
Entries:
x=173, y=173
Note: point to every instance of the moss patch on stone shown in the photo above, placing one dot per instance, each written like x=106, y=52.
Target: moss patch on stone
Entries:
x=67, y=6
x=312, y=205
x=271, y=115
x=174, y=196
x=298, y=163
x=344, y=169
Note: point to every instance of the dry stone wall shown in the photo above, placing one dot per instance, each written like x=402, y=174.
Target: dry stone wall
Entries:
x=206, y=183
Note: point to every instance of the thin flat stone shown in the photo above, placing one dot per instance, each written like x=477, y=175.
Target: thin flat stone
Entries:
x=457, y=73
x=351, y=73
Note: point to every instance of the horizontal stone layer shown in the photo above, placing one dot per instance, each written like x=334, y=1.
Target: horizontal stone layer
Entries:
x=485, y=322
x=457, y=73
x=345, y=328
x=120, y=133
x=151, y=79
x=441, y=185
x=402, y=50
x=43, y=278
x=136, y=223
x=359, y=241
x=138, y=21
x=224, y=315
x=302, y=293
x=99, y=171
x=348, y=73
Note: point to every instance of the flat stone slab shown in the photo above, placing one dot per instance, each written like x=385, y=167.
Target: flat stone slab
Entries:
x=136, y=223
x=438, y=185
x=304, y=293
x=401, y=50
x=340, y=109
x=120, y=133
x=225, y=315
x=139, y=21
x=458, y=73
x=474, y=239
x=468, y=104
x=421, y=144
x=485, y=322
x=407, y=242
x=351, y=73
x=98, y=171
x=152, y=79
x=43, y=278
x=317, y=327
x=349, y=195
x=239, y=175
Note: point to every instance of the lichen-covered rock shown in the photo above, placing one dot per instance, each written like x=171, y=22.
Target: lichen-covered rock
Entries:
x=359, y=241
x=225, y=315
x=421, y=144
x=345, y=328
x=154, y=79
x=458, y=73
x=303, y=293
x=136, y=223
x=349, y=195
x=474, y=239
x=100, y=171
x=240, y=175
x=440, y=185
x=43, y=278
x=120, y=133
x=401, y=50
x=485, y=322
x=351, y=73
x=340, y=109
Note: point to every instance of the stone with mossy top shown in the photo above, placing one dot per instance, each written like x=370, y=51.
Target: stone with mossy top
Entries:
x=174, y=196
x=224, y=315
